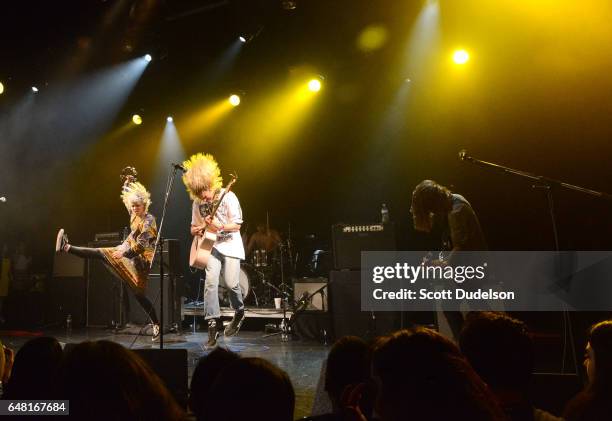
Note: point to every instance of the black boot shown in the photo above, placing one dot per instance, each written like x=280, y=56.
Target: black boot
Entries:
x=234, y=326
x=213, y=332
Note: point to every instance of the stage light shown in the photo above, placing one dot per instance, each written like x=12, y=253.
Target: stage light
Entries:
x=34, y=89
x=372, y=38
x=242, y=39
x=169, y=119
x=136, y=119
x=234, y=100
x=314, y=85
x=1, y=88
x=148, y=57
x=289, y=4
x=461, y=56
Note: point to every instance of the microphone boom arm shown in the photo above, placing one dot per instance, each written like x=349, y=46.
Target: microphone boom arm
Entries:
x=533, y=177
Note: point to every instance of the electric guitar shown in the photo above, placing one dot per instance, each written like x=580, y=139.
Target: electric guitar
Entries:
x=201, y=246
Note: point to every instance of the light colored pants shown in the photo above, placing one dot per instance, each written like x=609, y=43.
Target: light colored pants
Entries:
x=231, y=275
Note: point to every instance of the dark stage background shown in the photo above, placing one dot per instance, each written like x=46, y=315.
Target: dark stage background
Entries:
x=535, y=95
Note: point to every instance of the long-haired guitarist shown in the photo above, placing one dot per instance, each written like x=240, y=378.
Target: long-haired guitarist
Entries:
x=433, y=203
x=131, y=260
x=204, y=185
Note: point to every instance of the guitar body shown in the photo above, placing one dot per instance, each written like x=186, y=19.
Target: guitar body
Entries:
x=201, y=248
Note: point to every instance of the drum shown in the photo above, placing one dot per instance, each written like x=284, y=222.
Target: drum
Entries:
x=260, y=258
x=243, y=280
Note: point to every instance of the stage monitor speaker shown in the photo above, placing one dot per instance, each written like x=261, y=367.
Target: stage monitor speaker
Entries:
x=305, y=287
x=171, y=366
x=350, y=240
x=345, y=306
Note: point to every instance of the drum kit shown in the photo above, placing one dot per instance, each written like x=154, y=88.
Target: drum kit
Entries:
x=268, y=273
x=262, y=278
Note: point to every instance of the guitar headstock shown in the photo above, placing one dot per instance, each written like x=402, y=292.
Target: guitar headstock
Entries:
x=234, y=178
x=128, y=175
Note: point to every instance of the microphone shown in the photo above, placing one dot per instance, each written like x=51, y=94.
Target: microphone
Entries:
x=3, y=199
x=178, y=167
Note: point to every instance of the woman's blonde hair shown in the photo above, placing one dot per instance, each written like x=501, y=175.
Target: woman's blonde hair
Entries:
x=202, y=173
x=136, y=192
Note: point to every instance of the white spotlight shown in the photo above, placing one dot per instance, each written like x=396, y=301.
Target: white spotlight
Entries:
x=148, y=57
x=169, y=119
x=234, y=100
x=34, y=89
x=242, y=39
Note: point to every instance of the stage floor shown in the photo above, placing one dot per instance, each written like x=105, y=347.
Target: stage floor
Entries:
x=300, y=359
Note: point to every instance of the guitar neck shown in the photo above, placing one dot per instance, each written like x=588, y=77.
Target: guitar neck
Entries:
x=227, y=189
x=216, y=206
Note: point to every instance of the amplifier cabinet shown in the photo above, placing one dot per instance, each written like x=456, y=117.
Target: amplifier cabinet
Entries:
x=172, y=256
x=102, y=291
x=345, y=308
x=350, y=240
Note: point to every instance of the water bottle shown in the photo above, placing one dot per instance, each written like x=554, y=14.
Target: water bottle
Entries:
x=384, y=213
x=325, y=337
x=69, y=325
x=284, y=329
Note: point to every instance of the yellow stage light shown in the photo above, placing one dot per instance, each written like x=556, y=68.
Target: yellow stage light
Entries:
x=461, y=56
x=205, y=118
x=372, y=38
x=1, y=88
x=314, y=85
x=234, y=100
x=136, y=119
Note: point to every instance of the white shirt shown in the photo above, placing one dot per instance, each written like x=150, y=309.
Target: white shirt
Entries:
x=229, y=212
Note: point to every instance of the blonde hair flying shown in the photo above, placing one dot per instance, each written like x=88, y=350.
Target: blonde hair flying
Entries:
x=202, y=173
x=136, y=192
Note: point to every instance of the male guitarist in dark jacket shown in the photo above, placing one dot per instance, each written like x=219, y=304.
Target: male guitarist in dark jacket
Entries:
x=204, y=184
x=432, y=201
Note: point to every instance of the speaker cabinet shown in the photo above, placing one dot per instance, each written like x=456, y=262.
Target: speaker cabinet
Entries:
x=66, y=265
x=172, y=256
x=171, y=366
x=345, y=306
x=104, y=291
x=67, y=296
x=172, y=301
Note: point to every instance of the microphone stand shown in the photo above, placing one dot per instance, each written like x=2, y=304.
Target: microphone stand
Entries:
x=548, y=185
x=159, y=243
